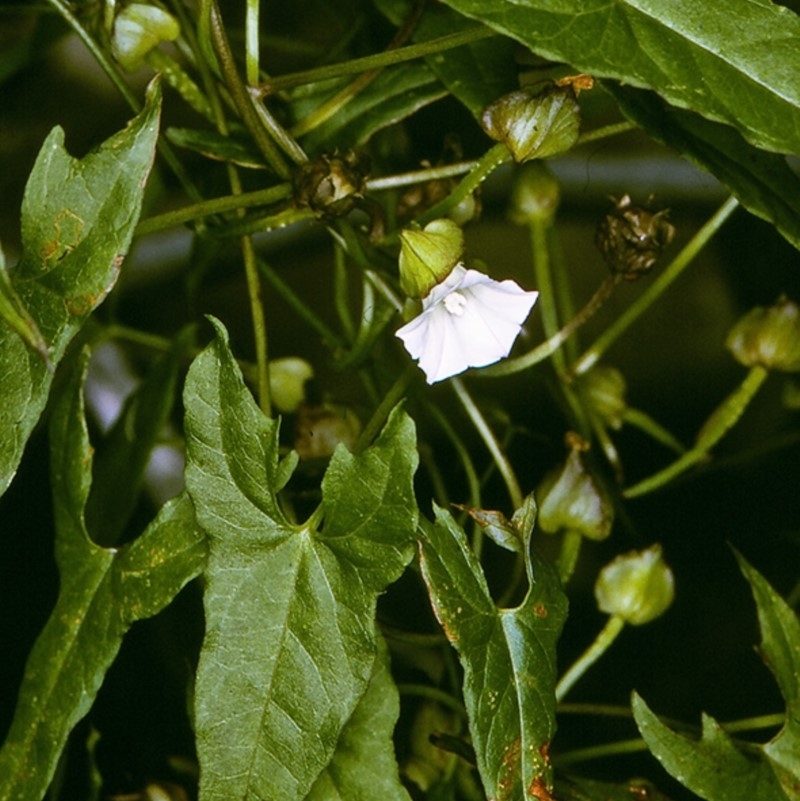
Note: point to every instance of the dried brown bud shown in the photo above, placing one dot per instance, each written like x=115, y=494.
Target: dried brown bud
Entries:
x=631, y=238
x=331, y=184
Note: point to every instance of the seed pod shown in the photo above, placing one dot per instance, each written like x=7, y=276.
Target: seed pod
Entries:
x=534, y=126
x=769, y=337
x=637, y=586
x=571, y=500
x=331, y=184
x=631, y=239
x=428, y=255
x=138, y=28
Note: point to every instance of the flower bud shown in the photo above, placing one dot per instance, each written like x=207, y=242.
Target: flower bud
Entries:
x=631, y=239
x=570, y=499
x=605, y=391
x=637, y=586
x=534, y=126
x=287, y=382
x=769, y=337
x=428, y=256
x=138, y=28
x=331, y=184
x=535, y=194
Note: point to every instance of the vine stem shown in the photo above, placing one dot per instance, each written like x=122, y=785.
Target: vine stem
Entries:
x=490, y=161
x=548, y=347
x=722, y=420
x=644, y=301
x=376, y=61
x=395, y=394
x=489, y=439
x=602, y=642
x=206, y=208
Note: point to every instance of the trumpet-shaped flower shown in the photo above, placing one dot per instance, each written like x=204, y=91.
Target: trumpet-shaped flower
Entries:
x=468, y=320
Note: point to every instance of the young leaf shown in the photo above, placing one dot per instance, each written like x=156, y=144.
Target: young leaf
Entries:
x=364, y=766
x=508, y=657
x=78, y=218
x=763, y=182
x=395, y=94
x=734, y=62
x=290, y=631
x=715, y=768
x=102, y=592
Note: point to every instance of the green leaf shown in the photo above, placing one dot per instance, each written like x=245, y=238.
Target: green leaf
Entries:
x=395, y=94
x=716, y=768
x=763, y=182
x=121, y=458
x=364, y=766
x=218, y=147
x=735, y=62
x=78, y=218
x=290, y=632
x=102, y=592
x=477, y=73
x=508, y=655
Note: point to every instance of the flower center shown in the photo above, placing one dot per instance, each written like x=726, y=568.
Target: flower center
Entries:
x=455, y=303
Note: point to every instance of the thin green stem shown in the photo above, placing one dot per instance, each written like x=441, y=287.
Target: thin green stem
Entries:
x=432, y=694
x=543, y=351
x=490, y=161
x=538, y=229
x=377, y=61
x=207, y=208
x=473, y=482
x=616, y=748
x=489, y=439
x=602, y=642
x=655, y=290
x=252, y=70
x=721, y=421
x=241, y=97
x=420, y=176
x=644, y=422
x=332, y=106
x=299, y=306
x=379, y=417
x=568, y=556
x=614, y=129
x=259, y=323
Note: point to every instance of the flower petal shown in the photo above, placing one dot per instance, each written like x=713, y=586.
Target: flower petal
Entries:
x=473, y=328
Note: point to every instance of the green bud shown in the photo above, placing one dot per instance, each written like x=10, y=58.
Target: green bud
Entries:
x=534, y=126
x=637, y=586
x=605, y=390
x=769, y=337
x=287, y=382
x=535, y=194
x=631, y=239
x=428, y=256
x=138, y=28
x=570, y=499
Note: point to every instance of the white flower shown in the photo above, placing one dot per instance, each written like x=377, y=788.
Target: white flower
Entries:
x=468, y=320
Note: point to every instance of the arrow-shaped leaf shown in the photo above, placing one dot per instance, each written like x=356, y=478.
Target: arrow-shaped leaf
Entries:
x=715, y=768
x=103, y=591
x=290, y=609
x=735, y=62
x=508, y=655
x=78, y=218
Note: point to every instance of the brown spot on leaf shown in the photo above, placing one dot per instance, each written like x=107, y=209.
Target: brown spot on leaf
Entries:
x=538, y=789
x=540, y=610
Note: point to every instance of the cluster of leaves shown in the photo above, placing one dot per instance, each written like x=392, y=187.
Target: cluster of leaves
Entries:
x=294, y=695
